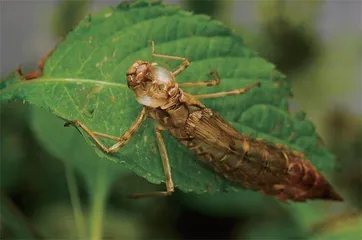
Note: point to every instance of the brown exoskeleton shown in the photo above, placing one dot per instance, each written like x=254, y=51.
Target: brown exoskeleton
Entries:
x=254, y=164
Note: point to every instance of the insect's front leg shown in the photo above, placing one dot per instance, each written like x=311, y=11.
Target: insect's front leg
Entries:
x=121, y=141
x=180, y=69
x=166, y=169
x=207, y=83
x=228, y=93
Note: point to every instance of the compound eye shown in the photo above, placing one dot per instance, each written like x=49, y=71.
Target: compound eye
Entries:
x=162, y=75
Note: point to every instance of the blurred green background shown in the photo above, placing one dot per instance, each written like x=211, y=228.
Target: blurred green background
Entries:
x=317, y=43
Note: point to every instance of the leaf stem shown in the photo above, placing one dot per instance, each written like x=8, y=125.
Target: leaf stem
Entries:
x=98, y=198
x=74, y=198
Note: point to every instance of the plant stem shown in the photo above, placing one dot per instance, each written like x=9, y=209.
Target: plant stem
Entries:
x=98, y=195
x=74, y=198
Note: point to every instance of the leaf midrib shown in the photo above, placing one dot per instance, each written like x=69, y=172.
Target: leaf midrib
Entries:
x=61, y=80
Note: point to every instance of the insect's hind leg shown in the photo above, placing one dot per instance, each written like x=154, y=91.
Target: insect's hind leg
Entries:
x=166, y=168
x=208, y=83
x=121, y=141
x=228, y=93
x=180, y=69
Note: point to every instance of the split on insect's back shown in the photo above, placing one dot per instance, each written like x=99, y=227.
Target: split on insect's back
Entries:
x=150, y=83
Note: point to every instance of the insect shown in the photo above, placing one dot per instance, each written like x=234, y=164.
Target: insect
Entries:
x=254, y=164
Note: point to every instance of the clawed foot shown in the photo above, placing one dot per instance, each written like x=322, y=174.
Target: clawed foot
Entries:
x=72, y=122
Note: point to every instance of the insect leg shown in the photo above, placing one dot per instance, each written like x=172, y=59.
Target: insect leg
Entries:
x=121, y=141
x=180, y=69
x=227, y=93
x=166, y=169
x=206, y=83
x=103, y=135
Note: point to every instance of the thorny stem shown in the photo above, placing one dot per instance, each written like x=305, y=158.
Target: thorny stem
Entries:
x=98, y=195
x=74, y=198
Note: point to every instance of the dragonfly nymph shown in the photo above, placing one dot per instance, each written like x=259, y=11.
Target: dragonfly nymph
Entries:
x=254, y=164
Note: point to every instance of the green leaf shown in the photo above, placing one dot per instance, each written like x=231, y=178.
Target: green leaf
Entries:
x=85, y=79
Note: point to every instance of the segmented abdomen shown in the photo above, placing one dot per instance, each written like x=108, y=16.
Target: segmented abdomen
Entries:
x=257, y=165
x=270, y=171
x=251, y=169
